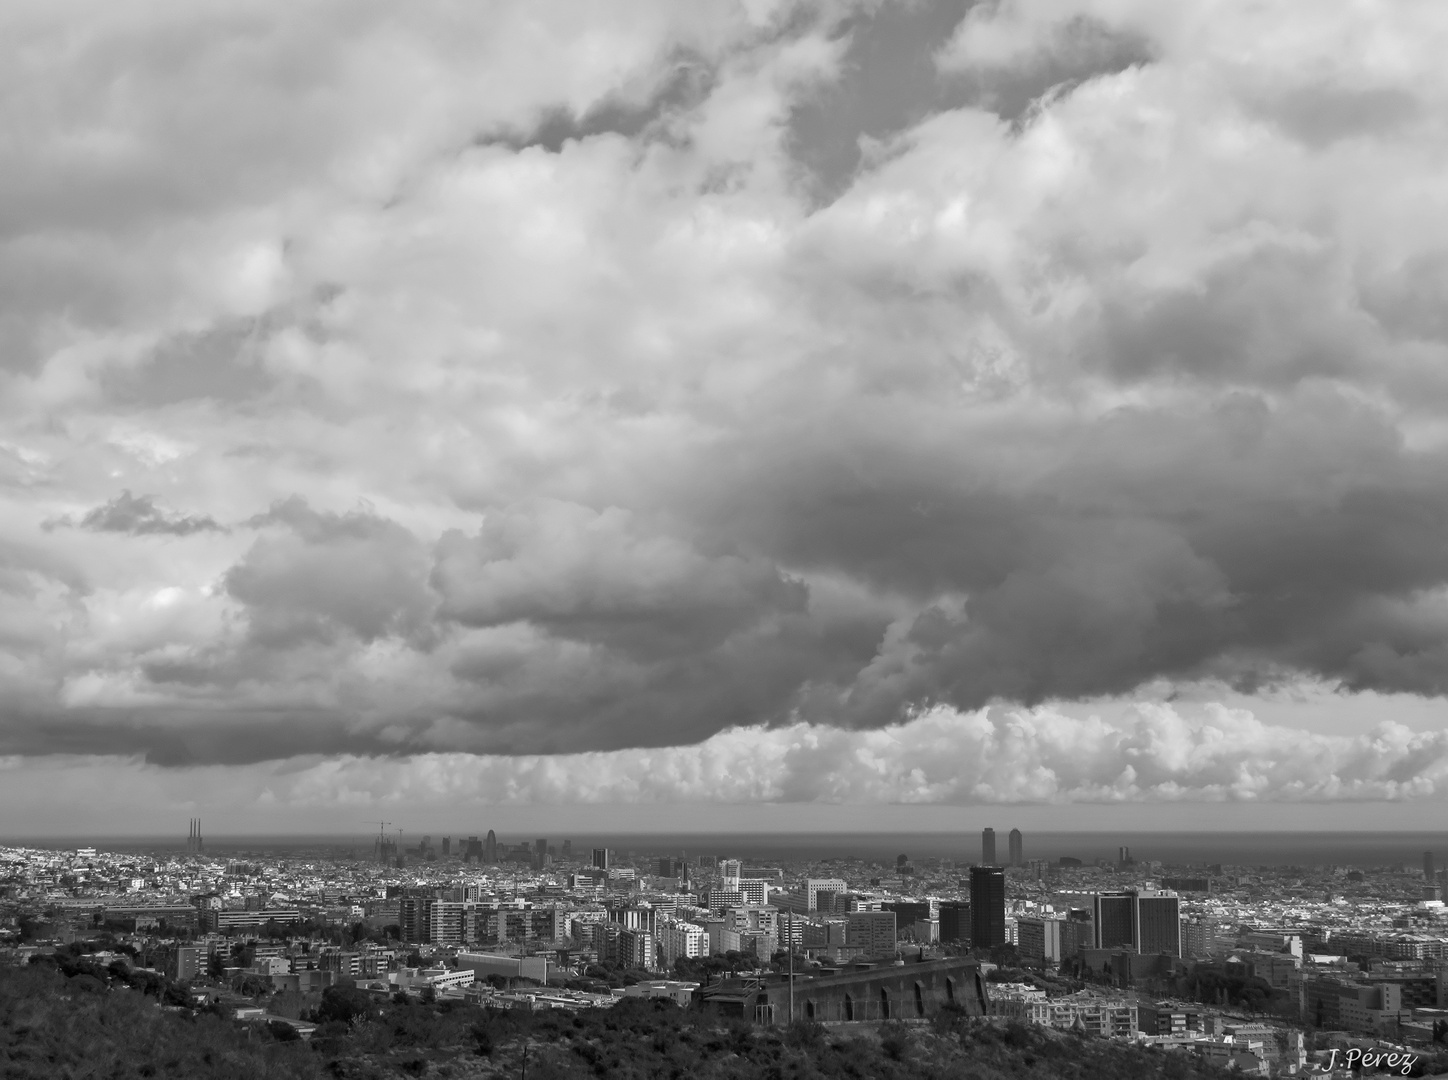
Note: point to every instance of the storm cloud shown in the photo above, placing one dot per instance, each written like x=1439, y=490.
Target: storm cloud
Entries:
x=585, y=384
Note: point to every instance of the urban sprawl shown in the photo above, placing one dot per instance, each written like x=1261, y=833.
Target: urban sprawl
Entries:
x=1265, y=969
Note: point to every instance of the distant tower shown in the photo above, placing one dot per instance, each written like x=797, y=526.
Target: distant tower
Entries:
x=1430, y=874
x=987, y=847
x=490, y=848
x=1018, y=857
x=193, y=837
x=600, y=858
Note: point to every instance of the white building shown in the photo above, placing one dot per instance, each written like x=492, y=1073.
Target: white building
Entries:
x=681, y=939
x=436, y=978
x=814, y=886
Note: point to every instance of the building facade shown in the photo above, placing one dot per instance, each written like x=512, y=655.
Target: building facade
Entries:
x=987, y=906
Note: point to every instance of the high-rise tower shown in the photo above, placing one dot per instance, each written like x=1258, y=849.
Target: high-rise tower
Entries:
x=1138, y=919
x=987, y=906
x=1017, y=848
x=987, y=847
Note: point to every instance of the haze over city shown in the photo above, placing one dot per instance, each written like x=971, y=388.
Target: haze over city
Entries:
x=722, y=416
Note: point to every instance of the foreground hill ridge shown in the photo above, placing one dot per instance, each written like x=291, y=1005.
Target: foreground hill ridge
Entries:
x=54, y=1026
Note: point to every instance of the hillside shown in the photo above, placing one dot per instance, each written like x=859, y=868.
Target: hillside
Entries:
x=93, y=1024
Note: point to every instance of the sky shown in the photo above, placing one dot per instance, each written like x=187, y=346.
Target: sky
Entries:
x=723, y=413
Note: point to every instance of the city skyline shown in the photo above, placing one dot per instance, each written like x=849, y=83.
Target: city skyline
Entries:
x=723, y=415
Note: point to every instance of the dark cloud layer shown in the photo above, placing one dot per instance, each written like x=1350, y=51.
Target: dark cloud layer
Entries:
x=871, y=359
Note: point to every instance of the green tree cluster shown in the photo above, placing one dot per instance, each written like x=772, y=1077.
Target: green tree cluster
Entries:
x=72, y=1020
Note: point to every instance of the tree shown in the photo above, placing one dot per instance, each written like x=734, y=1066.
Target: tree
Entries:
x=344, y=1004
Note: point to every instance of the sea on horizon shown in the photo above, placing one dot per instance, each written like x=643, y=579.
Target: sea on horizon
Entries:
x=1358, y=849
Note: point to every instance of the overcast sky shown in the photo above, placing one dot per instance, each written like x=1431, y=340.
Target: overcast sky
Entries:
x=888, y=411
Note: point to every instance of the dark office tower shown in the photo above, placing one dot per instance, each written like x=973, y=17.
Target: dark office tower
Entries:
x=666, y=867
x=987, y=906
x=600, y=858
x=1429, y=872
x=446, y=846
x=474, y=850
x=540, y=847
x=955, y=921
x=1112, y=915
x=415, y=919
x=1018, y=854
x=568, y=849
x=1158, y=921
x=490, y=848
x=987, y=847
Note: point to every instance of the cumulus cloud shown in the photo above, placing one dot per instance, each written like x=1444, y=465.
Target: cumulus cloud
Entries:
x=138, y=515
x=591, y=414
x=1153, y=754
x=942, y=758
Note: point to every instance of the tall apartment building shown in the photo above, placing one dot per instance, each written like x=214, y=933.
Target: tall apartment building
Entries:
x=955, y=921
x=1148, y=922
x=987, y=906
x=188, y=962
x=415, y=919
x=1040, y=939
x=1158, y=923
x=1199, y=937
x=1115, y=928
x=681, y=939
x=445, y=920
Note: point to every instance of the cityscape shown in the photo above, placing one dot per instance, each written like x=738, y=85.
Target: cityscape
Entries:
x=1266, y=970
x=723, y=539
